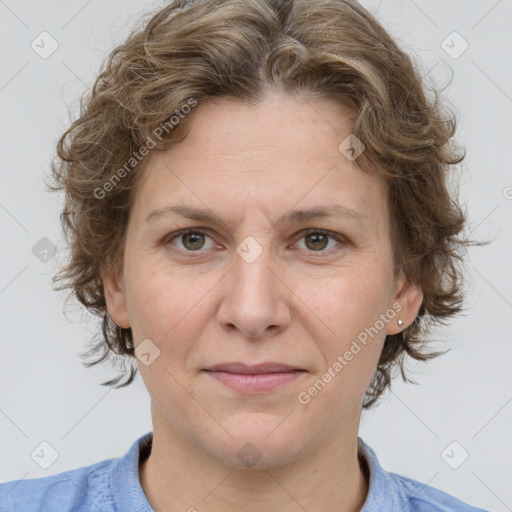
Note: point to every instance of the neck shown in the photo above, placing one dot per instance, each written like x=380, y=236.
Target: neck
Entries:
x=180, y=475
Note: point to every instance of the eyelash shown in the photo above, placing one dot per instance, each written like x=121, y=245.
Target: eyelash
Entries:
x=303, y=233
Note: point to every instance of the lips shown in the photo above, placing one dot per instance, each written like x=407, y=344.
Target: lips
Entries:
x=254, y=379
x=244, y=369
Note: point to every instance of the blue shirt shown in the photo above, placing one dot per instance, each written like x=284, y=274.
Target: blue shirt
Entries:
x=113, y=485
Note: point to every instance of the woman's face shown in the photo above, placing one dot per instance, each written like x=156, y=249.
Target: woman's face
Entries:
x=259, y=283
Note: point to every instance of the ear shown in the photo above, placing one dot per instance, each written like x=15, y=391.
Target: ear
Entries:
x=115, y=296
x=407, y=302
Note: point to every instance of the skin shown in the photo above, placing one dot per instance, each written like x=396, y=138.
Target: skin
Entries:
x=301, y=302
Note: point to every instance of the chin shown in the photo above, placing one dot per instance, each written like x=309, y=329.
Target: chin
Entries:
x=257, y=444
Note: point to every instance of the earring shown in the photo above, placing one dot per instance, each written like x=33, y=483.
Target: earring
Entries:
x=400, y=322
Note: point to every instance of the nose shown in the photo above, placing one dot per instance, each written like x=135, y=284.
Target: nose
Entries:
x=255, y=298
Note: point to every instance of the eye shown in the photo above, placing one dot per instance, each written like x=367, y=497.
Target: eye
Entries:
x=316, y=240
x=192, y=239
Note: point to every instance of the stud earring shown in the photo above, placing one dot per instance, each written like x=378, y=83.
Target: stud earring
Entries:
x=400, y=322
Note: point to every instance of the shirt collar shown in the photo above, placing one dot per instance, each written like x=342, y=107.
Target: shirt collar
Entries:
x=382, y=493
x=125, y=486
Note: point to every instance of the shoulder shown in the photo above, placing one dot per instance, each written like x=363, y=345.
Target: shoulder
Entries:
x=84, y=489
x=424, y=498
x=389, y=492
x=110, y=485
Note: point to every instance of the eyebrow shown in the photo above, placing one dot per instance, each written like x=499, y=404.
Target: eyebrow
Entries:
x=294, y=216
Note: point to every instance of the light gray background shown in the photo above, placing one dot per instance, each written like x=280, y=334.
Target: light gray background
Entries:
x=46, y=393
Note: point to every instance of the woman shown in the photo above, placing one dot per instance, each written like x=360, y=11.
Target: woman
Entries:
x=257, y=209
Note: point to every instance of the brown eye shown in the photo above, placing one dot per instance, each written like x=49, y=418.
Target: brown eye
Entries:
x=316, y=241
x=193, y=241
x=190, y=240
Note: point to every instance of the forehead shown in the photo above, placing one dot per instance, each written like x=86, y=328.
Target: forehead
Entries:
x=282, y=125
x=276, y=154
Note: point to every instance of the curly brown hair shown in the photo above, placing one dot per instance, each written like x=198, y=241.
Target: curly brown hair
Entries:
x=191, y=51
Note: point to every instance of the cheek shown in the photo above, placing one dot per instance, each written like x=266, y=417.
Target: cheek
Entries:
x=347, y=309
x=346, y=302
x=170, y=310
x=164, y=303
x=172, y=307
